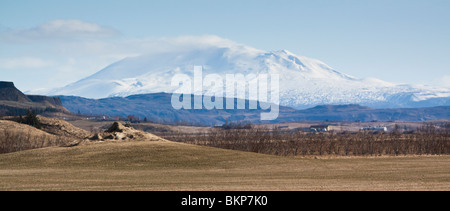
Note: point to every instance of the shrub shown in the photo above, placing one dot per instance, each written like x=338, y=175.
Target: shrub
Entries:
x=13, y=140
x=288, y=143
x=32, y=120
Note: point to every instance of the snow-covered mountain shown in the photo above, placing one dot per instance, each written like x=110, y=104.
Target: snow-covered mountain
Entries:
x=304, y=82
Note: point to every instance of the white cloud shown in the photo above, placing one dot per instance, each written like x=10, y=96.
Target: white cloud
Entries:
x=73, y=28
x=443, y=81
x=59, y=29
x=157, y=45
x=23, y=62
x=199, y=41
x=77, y=50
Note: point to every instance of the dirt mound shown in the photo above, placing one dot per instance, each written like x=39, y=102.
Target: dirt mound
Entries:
x=62, y=128
x=119, y=132
x=116, y=127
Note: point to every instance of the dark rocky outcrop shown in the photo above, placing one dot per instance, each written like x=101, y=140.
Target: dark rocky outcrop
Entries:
x=120, y=132
x=14, y=102
x=8, y=92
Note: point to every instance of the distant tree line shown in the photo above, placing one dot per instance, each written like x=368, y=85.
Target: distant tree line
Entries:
x=427, y=140
x=236, y=126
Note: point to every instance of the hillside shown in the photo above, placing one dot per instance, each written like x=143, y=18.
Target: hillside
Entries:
x=17, y=137
x=13, y=102
x=8, y=92
x=62, y=128
x=164, y=165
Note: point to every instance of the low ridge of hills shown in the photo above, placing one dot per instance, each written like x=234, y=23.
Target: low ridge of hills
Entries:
x=157, y=108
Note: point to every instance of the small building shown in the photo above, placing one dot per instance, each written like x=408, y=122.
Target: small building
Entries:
x=319, y=128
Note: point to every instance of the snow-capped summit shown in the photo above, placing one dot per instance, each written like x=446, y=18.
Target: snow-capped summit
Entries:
x=304, y=82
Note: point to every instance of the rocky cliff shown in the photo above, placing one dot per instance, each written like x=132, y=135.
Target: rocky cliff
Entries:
x=14, y=102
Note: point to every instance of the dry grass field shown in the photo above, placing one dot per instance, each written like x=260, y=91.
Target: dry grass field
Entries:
x=164, y=165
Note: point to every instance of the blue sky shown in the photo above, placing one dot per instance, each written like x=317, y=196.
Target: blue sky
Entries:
x=403, y=41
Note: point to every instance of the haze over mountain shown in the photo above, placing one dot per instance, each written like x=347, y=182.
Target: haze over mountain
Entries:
x=304, y=82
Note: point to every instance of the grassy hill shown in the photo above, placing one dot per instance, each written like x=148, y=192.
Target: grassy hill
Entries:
x=164, y=165
x=17, y=137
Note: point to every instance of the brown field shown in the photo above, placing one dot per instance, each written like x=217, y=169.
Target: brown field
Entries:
x=165, y=165
x=418, y=161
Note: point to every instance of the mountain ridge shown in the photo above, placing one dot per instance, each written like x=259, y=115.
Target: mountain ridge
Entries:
x=157, y=108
